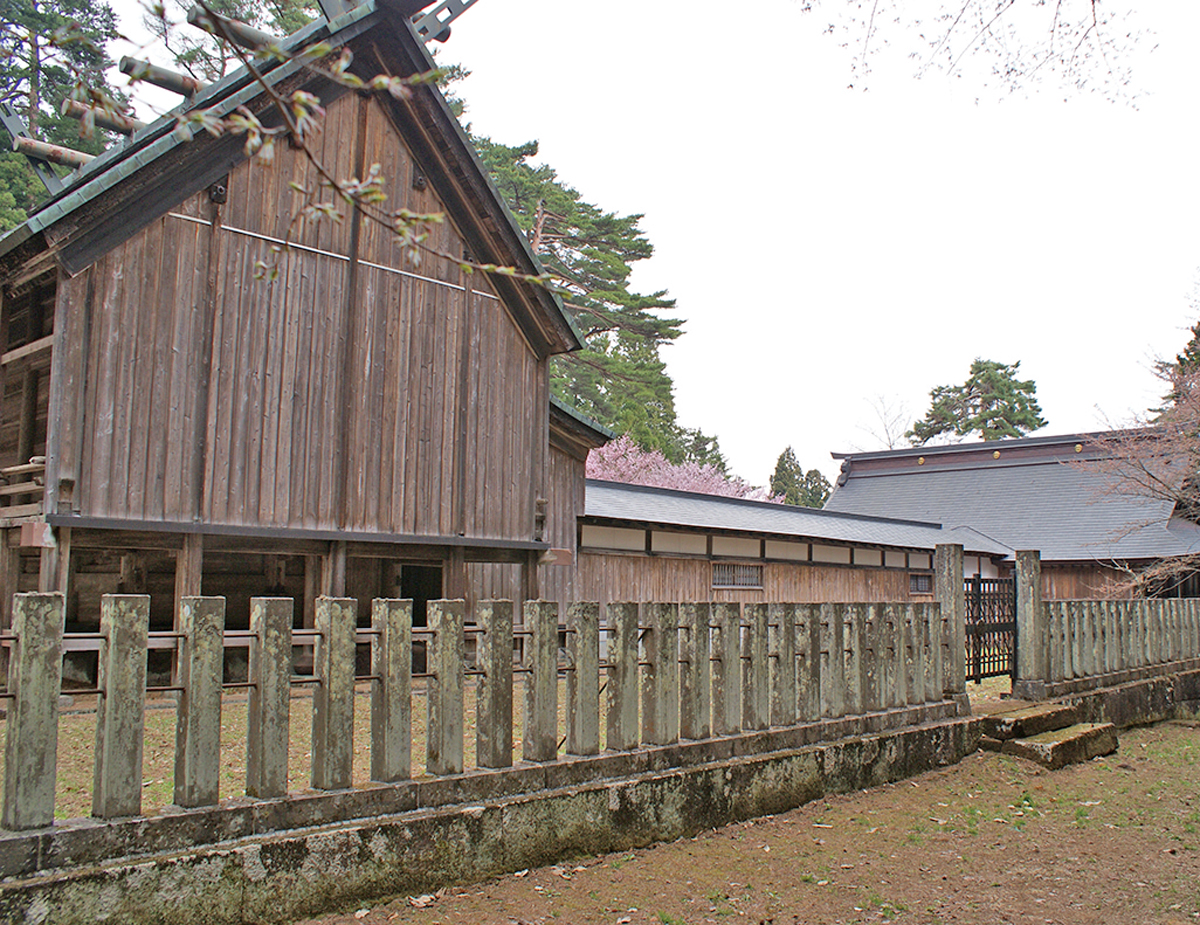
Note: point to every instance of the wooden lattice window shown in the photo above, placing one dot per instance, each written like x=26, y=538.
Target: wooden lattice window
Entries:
x=736, y=575
x=920, y=583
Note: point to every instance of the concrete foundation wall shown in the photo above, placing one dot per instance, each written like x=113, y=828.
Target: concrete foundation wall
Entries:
x=652, y=795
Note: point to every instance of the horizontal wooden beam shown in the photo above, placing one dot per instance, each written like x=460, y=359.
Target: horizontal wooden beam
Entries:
x=42, y=344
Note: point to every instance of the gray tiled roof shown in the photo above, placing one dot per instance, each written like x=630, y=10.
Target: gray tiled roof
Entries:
x=1041, y=500
x=660, y=506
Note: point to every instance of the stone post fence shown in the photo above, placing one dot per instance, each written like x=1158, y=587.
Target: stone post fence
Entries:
x=1070, y=647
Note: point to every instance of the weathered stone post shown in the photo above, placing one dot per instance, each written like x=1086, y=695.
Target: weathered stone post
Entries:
x=201, y=663
x=268, y=722
x=873, y=658
x=808, y=662
x=121, y=709
x=833, y=660
x=660, y=678
x=31, y=740
x=756, y=702
x=1033, y=633
x=583, y=679
x=931, y=623
x=494, y=703
x=694, y=683
x=950, y=651
x=727, y=668
x=333, y=700
x=391, y=694
x=444, y=726
x=541, y=686
x=782, y=621
x=855, y=639
x=892, y=679
x=917, y=638
x=622, y=676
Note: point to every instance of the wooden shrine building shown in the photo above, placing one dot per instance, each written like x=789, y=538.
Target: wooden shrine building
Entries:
x=361, y=425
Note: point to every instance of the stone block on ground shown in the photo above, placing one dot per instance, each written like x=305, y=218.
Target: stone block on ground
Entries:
x=1059, y=747
x=1029, y=721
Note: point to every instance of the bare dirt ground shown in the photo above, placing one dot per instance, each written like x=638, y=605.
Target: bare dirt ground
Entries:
x=991, y=840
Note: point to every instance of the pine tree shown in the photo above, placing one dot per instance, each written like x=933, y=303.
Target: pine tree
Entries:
x=795, y=486
x=992, y=402
x=619, y=378
x=52, y=50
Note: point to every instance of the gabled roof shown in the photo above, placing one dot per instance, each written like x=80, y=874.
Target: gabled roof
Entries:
x=574, y=432
x=141, y=178
x=1043, y=493
x=614, y=502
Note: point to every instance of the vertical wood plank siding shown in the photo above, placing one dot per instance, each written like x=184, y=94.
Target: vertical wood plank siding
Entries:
x=300, y=368
x=607, y=577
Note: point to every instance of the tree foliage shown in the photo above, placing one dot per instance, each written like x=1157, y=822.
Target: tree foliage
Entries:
x=795, y=486
x=992, y=402
x=205, y=57
x=623, y=460
x=619, y=378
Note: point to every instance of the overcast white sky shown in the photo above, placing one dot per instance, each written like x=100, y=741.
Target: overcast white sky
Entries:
x=830, y=246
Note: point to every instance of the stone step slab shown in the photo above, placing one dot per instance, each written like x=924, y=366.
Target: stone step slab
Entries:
x=1059, y=747
x=1029, y=721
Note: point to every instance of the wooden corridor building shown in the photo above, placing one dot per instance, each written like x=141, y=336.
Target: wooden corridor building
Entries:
x=358, y=426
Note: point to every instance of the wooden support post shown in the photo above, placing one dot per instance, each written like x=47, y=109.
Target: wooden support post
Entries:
x=727, y=669
x=660, y=677
x=189, y=567
x=756, y=700
x=622, y=684
x=444, y=726
x=270, y=671
x=454, y=574
x=55, y=572
x=494, y=704
x=121, y=710
x=313, y=576
x=808, y=662
x=10, y=584
x=529, y=577
x=541, y=684
x=951, y=650
x=27, y=421
x=391, y=694
x=31, y=739
x=696, y=665
x=782, y=625
x=583, y=679
x=333, y=571
x=833, y=660
x=333, y=699
x=201, y=620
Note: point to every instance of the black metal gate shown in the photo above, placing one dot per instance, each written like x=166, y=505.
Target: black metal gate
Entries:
x=991, y=627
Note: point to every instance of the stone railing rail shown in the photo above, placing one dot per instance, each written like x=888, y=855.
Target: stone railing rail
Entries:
x=670, y=672
x=1068, y=647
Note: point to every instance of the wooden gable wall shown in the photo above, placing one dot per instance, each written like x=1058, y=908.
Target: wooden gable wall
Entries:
x=185, y=389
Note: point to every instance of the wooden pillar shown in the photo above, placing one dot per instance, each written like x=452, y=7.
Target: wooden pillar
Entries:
x=333, y=571
x=55, y=571
x=529, y=577
x=454, y=575
x=27, y=421
x=10, y=578
x=313, y=575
